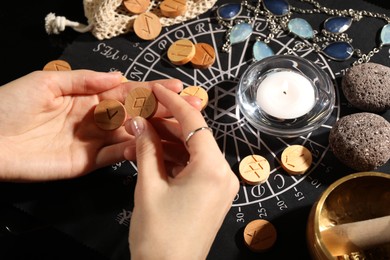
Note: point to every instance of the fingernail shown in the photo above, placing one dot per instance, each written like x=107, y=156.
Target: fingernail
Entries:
x=115, y=72
x=137, y=125
x=157, y=85
x=198, y=102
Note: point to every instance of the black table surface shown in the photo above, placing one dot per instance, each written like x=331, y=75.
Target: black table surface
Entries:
x=25, y=47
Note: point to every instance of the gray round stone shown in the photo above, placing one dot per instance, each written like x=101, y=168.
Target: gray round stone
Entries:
x=361, y=141
x=367, y=87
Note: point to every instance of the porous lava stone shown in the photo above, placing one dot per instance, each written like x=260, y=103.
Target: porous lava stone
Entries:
x=361, y=141
x=367, y=87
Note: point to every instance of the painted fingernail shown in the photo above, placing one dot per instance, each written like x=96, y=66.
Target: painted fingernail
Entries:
x=137, y=125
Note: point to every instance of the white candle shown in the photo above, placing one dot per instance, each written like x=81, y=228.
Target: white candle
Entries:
x=285, y=95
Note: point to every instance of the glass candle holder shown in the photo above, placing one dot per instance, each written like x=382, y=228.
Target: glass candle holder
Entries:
x=285, y=95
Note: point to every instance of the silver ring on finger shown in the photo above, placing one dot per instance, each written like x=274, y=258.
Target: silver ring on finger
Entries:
x=195, y=131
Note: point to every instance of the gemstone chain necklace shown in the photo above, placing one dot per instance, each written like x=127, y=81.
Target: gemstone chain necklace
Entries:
x=332, y=41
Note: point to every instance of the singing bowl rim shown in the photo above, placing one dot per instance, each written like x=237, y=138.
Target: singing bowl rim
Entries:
x=318, y=207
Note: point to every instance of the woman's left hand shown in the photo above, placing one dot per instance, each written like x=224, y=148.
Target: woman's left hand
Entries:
x=47, y=129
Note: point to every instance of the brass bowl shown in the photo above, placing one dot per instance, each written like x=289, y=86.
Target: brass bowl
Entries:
x=357, y=197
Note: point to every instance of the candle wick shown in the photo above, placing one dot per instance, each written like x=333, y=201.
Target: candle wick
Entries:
x=285, y=87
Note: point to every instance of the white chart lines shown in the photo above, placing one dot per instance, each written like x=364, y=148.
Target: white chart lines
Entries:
x=236, y=137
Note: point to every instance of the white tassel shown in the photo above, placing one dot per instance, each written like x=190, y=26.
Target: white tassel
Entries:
x=56, y=24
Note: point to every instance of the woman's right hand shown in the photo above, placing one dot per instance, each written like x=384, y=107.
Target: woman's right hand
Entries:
x=183, y=193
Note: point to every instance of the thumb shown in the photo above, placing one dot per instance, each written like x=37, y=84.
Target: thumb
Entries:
x=149, y=152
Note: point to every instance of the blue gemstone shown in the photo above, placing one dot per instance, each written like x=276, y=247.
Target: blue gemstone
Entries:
x=229, y=11
x=277, y=7
x=261, y=50
x=385, y=35
x=301, y=28
x=339, y=51
x=337, y=24
x=240, y=32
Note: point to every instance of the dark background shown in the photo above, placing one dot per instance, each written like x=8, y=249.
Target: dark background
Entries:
x=25, y=45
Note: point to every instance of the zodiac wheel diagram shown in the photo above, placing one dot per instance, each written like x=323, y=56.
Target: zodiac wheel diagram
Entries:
x=236, y=137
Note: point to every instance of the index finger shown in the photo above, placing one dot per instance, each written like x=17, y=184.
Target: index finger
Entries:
x=122, y=90
x=188, y=117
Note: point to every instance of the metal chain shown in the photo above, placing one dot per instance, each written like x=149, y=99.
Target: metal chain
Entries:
x=279, y=24
x=366, y=57
x=356, y=15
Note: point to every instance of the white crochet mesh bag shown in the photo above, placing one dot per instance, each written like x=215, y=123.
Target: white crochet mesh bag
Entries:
x=109, y=18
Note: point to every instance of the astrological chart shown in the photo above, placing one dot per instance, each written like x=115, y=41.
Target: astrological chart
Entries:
x=236, y=137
